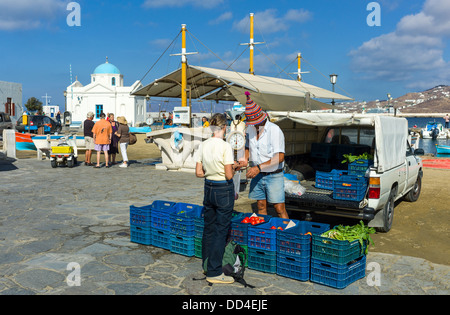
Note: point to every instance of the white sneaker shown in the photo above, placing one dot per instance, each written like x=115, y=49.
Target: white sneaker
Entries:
x=123, y=165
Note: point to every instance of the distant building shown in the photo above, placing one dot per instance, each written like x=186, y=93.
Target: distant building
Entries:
x=51, y=111
x=105, y=93
x=11, y=98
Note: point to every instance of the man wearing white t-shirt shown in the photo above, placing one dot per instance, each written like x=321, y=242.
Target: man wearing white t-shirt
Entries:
x=265, y=151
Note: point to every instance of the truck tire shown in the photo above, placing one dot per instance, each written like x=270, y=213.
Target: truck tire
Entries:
x=388, y=212
x=70, y=163
x=414, y=193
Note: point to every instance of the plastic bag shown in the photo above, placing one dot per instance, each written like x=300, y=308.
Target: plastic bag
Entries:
x=293, y=187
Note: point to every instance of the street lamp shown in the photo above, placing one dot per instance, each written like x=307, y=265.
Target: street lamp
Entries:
x=333, y=79
x=65, y=101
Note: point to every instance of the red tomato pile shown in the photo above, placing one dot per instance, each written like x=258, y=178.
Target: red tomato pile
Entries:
x=253, y=220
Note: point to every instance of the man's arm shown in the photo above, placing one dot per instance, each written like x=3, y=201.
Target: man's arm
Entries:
x=275, y=160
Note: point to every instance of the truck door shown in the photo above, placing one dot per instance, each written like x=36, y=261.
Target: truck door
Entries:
x=412, y=167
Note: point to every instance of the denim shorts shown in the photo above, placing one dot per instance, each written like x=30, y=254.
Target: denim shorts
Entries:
x=267, y=187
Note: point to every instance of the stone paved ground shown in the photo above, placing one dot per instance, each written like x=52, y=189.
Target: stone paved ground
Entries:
x=50, y=218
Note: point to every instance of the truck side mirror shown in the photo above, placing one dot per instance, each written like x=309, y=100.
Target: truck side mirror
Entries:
x=419, y=152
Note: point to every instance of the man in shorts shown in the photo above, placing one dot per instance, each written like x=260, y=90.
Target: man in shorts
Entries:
x=265, y=151
x=102, y=132
x=89, y=137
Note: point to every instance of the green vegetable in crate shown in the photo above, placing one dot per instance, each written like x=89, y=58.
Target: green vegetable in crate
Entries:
x=358, y=232
x=350, y=158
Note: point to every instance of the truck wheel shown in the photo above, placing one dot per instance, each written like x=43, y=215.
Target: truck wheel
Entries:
x=70, y=163
x=53, y=163
x=388, y=212
x=414, y=193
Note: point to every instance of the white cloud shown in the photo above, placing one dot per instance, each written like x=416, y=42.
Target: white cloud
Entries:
x=222, y=18
x=269, y=21
x=413, y=53
x=29, y=14
x=181, y=3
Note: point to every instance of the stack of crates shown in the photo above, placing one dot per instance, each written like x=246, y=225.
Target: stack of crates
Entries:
x=294, y=249
x=262, y=244
x=199, y=223
x=359, y=167
x=182, y=228
x=350, y=187
x=160, y=225
x=232, y=234
x=325, y=180
x=336, y=263
x=322, y=155
x=140, y=225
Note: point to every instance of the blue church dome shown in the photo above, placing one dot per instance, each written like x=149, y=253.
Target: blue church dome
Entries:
x=106, y=68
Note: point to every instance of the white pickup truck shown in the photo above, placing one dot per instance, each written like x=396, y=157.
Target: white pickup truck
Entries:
x=317, y=142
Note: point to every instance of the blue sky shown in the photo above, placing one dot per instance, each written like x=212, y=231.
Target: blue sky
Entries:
x=409, y=52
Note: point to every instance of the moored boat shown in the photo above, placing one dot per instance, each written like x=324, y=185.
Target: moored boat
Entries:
x=24, y=142
x=433, y=130
x=442, y=149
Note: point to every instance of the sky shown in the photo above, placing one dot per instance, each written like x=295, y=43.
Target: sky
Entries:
x=375, y=47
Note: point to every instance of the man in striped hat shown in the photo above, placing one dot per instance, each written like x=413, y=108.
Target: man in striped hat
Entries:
x=265, y=152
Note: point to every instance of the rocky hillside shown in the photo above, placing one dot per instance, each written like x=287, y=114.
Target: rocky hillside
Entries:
x=435, y=100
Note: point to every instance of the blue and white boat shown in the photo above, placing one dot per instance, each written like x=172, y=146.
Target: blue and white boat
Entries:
x=442, y=149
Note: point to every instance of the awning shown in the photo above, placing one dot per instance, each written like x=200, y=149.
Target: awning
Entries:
x=224, y=85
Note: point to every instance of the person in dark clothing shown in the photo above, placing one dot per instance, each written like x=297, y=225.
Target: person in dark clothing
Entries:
x=89, y=138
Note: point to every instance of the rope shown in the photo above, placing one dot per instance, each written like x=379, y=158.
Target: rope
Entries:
x=151, y=68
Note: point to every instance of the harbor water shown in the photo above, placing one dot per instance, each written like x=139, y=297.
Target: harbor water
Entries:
x=428, y=145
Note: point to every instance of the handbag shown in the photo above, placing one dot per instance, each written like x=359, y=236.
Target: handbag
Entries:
x=133, y=138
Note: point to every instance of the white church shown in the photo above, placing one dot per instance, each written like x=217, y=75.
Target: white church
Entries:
x=106, y=93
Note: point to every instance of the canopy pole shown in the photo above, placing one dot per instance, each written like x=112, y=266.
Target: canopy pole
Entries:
x=183, y=67
x=299, y=75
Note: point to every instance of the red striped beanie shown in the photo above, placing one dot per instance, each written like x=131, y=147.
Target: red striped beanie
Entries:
x=253, y=112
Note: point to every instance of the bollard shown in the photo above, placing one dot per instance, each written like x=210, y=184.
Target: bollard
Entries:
x=9, y=143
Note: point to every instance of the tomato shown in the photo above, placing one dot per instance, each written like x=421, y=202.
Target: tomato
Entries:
x=273, y=228
x=245, y=220
x=280, y=228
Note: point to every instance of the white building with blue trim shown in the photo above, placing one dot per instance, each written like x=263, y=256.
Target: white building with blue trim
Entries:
x=105, y=93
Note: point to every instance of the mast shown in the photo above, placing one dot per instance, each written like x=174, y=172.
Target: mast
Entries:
x=252, y=50
x=252, y=43
x=299, y=68
x=183, y=67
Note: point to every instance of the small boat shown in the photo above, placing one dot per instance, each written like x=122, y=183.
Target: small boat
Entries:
x=24, y=142
x=443, y=149
x=433, y=130
x=46, y=141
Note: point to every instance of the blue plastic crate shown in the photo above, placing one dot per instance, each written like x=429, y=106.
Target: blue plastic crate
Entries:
x=336, y=251
x=359, y=167
x=262, y=236
x=160, y=214
x=262, y=260
x=350, y=187
x=182, y=245
x=293, y=267
x=161, y=238
x=182, y=219
x=296, y=241
x=239, y=230
x=337, y=276
x=141, y=235
x=325, y=180
x=140, y=216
